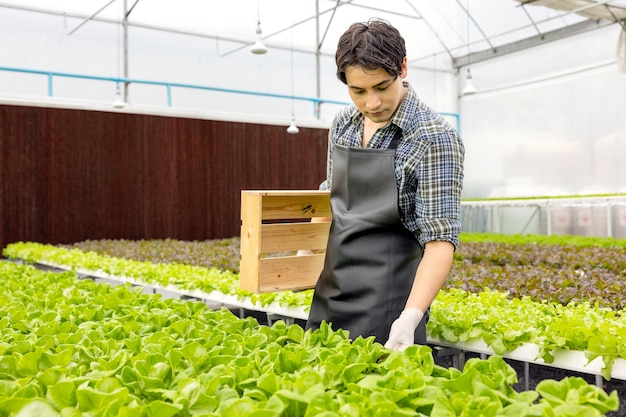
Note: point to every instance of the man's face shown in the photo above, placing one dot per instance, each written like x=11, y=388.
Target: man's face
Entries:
x=375, y=93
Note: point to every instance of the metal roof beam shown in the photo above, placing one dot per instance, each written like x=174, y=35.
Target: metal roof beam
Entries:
x=530, y=42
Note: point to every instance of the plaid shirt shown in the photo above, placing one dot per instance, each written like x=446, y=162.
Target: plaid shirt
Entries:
x=428, y=165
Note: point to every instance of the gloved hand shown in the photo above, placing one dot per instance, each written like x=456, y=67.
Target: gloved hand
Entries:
x=402, y=333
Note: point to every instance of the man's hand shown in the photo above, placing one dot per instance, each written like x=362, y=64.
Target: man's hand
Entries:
x=402, y=333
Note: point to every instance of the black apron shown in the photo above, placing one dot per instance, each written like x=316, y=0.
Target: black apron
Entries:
x=371, y=258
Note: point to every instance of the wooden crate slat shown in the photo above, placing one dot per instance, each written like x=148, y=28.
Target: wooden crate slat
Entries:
x=281, y=237
x=296, y=206
x=290, y=273
x=250, y=241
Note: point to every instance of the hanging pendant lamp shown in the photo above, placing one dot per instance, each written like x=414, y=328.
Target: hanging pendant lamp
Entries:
x=293, y=129
x=469, y=85
x=118, y=103
x=259, y=47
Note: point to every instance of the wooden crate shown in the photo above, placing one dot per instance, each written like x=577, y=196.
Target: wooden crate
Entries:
x=275, y=224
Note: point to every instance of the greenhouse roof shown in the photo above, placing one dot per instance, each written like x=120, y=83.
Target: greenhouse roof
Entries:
x=440, y=34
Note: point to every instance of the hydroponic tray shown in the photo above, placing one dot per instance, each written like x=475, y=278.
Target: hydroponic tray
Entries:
x=572, y=360
x=563, y=359
x=213, y=297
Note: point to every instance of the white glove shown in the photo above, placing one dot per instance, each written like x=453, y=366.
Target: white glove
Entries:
x=402, y=333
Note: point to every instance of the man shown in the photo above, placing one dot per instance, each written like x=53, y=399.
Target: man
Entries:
x=395, y=173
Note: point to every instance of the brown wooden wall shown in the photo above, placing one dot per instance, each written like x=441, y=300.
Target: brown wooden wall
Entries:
x=69, y=175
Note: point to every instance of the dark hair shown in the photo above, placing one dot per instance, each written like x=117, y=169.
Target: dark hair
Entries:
x=370, y=45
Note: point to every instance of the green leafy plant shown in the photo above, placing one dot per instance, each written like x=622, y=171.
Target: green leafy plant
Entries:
x=71, y=347
x=180, y=276
x=556, y=268
x=503, y=322
x=506, y=324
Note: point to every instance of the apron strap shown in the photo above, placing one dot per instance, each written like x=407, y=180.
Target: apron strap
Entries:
x=392, y=145
x=343, y=130
x=396, y=139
